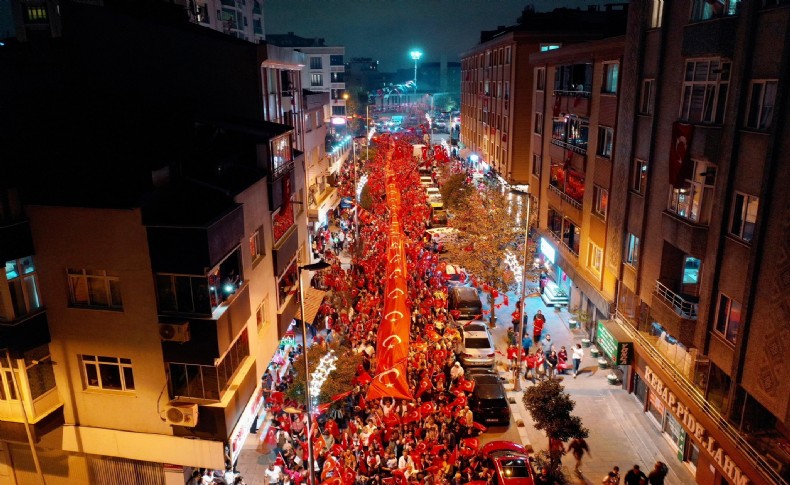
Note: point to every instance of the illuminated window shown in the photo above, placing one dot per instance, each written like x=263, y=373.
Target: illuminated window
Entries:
x=600, y=201
x=744, y=216
x=107, y=373
x=705, y=87
x=539, y=123
x=632, y=250
x=257, y=250
x=656, y=13
x=611, y=73
x=639, y=176
x=710, y=9
x=605, y=141
x=94, y=288
x=316, y=79
x=728, y=320
x=22, y=280
x=595, y=258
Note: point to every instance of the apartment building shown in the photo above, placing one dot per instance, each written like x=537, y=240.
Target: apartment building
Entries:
x=575, y=99
x=151, y=245
x=497, y=84
x=700, y=166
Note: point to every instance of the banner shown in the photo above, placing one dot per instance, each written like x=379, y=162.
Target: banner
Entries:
x=680, y=164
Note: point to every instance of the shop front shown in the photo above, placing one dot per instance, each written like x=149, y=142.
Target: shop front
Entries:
x=618, y=348
x=707, y=450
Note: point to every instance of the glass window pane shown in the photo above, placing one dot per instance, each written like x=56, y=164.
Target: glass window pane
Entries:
x=165, y=293
x=754, y=105
x=11, y=270
x=26, y=265
x=115, y=293
x=11, y=387
x=97, y=291
x=91, y=375
x=110, y=377
x=737, y=215
x=734, y=321
x=750, y=218
x=31, y=290
x=128, y=378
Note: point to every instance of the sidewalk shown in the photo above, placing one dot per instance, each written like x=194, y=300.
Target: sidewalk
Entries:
x=620, y=432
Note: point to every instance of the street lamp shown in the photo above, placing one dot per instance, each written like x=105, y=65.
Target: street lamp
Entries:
x=317, y=266
x=520, y=338
x=415, y=55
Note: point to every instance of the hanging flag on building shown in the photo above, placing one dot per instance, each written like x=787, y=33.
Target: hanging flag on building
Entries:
x=680, y=164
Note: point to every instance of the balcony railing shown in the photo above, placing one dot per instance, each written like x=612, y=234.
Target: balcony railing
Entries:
x=685, y=309
x=580, y=94
x=567, y=198
x=693, y=394
x=570, y=146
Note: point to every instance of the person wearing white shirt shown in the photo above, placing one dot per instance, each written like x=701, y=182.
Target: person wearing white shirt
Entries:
x=578, y=354
x=272, y=474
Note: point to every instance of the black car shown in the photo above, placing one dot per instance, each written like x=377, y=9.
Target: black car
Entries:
x=489, y=400
x=466, y=301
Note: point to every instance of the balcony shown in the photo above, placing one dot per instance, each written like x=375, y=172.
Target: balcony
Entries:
x=566, y=199
x=580, y=148
x=689, y=237
x=15, y=240
x=675, y=313
x=26, y=333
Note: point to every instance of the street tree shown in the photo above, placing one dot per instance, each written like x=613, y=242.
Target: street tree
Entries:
x=486, y=230
x=550, y=408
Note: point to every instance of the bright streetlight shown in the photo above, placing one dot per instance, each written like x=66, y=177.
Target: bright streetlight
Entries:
x=416, y=56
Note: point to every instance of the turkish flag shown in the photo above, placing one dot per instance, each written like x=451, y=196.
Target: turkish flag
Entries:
x=332, y=428
x=680, y=164
x=340, y=396
x=411, y=416
x=391, y=382
x=466, y=385
x=427, y=408
x=472, y=443
x=363, y=378
x=391, y=421
x=425, y=384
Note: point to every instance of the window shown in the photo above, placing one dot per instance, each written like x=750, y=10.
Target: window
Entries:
x=705, y=88
x=316, y=63
x=728, y=319
x=571, y=132
x=709, y=9
x=338, y=77
x=256, y=245
x=209, y=381
x=646, y=96
x=656, y=13
x=639, y=176
x=595, y=258
x=94, y=288
x=632, y=250
x=338, y=110
x=107, y=373
x=601, y=201
x=23, y=288
x=539, y=123
x=36, y=14
x=316, y=80
x=336, y=60
x=507, y=89
x=692, y=199
x=549, y=47
x=744, y=216
x=261, y=314
x=611, y=71
x=537, y=161
x=605, y=141
x=507, y=55
x=762, y=96
x=540, y=79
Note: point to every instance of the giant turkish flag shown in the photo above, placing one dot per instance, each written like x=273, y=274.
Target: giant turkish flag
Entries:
x=390, y=383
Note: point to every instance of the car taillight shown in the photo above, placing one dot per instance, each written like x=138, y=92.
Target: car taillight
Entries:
x=466, y=355
x=491, y=354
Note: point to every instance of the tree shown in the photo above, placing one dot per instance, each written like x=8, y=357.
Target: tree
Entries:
x=550, y=408
x=339, y=380
x=485, y=231
x=454, y=191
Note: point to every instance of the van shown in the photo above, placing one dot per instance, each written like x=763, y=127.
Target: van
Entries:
x=489, y=401
x=466, y=301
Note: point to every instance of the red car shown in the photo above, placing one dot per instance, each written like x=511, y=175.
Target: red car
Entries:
x=511, y=462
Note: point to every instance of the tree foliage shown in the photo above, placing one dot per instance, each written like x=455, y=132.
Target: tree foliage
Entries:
x=486, y=229
x=339, y=380
x=454, y=191
x=550, y=408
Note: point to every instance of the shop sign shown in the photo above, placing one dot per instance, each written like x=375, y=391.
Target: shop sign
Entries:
x=547, y=250
x=695, y=429
x=619, y=352
x=242, y=429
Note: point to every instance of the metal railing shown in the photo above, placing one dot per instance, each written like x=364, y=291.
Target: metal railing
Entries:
x=567, y=198
x=683, y=308
x=569, y=146
x=693, y=394
x=573, y=93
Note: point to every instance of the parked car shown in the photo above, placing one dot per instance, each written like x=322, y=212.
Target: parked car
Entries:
x=426, y=181
x=433, y=194
x=466, y=301
x=477, y=346
x=489, y=399
x=511, y=461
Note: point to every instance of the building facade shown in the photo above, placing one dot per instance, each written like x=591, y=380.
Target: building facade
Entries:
x=575, y=99
x=497, y=84
x=699, y=169
x=146, y=287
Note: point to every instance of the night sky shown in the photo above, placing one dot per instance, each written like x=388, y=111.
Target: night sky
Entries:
x=387, y=30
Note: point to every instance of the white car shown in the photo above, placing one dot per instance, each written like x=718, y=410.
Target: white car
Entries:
x=433, y=194
x=478, y=346
x=426, y=181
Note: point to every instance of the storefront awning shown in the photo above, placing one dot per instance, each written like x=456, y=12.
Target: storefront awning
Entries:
x=312, y=300
x=614, y=342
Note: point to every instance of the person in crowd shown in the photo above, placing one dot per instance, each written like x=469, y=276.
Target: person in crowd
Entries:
x=635, y=476
x=578, y=447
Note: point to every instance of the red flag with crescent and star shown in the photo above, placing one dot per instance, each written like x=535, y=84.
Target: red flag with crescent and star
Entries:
x=680, y=163
x=390, y=383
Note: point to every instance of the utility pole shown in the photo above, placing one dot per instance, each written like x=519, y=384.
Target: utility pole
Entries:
x=520, y=338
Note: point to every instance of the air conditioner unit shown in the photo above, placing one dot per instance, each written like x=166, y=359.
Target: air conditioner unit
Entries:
x=181, y=414
x=174, y=332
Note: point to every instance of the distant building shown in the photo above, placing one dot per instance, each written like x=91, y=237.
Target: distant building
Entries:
x=497, y=83
x=325, y=70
